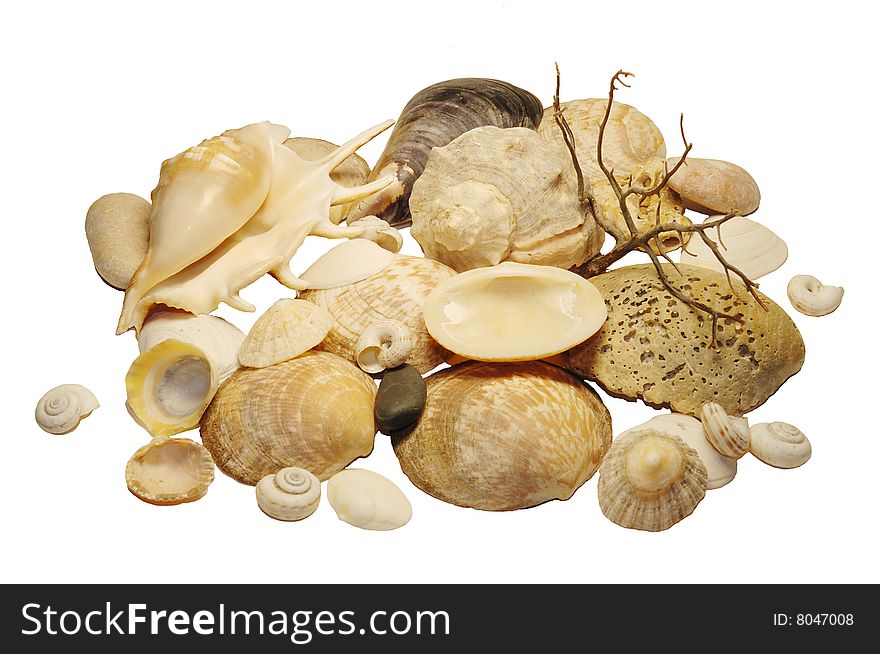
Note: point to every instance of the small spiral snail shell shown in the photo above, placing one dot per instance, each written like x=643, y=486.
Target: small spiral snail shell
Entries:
x=729, y=435
x=780, y=444
x=61, y=409
x=290, y=494
x=384, y=344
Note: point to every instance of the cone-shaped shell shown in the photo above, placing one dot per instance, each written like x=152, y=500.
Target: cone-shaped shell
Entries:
x=504, y=436
x=170, y=471
x=496, y=195
x=286, y=330
x=432, y=118
x=513, y=312
x=313, y=412
x=744, y=244
x=169, y=387
x=655, y=348
x=396, y=293
x=712, y=186
x=650, y=481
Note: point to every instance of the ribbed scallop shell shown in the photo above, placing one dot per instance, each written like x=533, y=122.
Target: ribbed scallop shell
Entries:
x=62, y=408
x=170, y=471
x=495, y=195
x=650, y=481
x=503, y=436
x=313, y=412
x=286, y=330
x=743, y=243
x=396, y=293
x=290, y=494
x=780, y=444
x=730, y=438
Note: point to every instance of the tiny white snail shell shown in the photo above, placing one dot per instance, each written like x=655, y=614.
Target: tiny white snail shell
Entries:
x=728, y=435
x=60, y=410
x=780, y=444
x=384, y=344
x=809, y=296
x=290, y=494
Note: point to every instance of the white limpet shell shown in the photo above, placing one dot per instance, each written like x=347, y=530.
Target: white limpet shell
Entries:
x=217, y=338
x=368, y=500
x=286, y=330
x=347, y=263
x=728, y=435
x=721, y=469
x=780, y=444
x=169, y=387
x=650, y=481
x=513, y=312
x=384, y=344
x=744, y=243
x=290, y=494
x=812, y=298
x=170, y=471
x=61, y=409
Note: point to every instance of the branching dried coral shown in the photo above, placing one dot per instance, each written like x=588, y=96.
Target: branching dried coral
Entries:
x=625, y=243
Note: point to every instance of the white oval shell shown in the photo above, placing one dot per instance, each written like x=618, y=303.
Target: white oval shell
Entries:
x=809, y=296
x=721, y=469
x=513, y=312
x=744, y=243
x=170, y=471
x=368, y=500
x=290, y=494
x=780, y=444
x=60, y=410
x=286, y=330
x=347, y=263
x=217, y=338
x=726, y=434
x=384, y=344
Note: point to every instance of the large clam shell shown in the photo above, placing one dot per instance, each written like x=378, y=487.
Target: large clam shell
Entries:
x=743, y=243
x=170, y=471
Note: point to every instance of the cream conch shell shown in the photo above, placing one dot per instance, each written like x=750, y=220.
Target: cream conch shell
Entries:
x=313, y=412
x=812, y=298
x=286, y=330
x=720, y=469
x=513, y=312
x=650, y=481
x=118, y=231
x=232, y=209
x=744, y=243
x=396, y=293
x=780, y=444
x=347, y=263
x=170, y=471
x=368, y=500
x=290, y=494
x=496, y=195
x=504, y=436
x=384, y=344
x=728, y=435
x=62, y=408
x=169, y=387
x=218, y=339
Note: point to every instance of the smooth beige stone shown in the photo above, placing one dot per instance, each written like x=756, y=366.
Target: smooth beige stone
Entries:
x=712, y=186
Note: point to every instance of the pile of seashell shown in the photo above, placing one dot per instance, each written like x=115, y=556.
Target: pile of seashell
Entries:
x=494, y=315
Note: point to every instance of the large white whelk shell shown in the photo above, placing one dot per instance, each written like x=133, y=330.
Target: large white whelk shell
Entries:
x=61, y=409
x=812, y=298
x=290, y=494
x=780, y=444
x=721, y=469
x=169, y=387
x=218, y=339
x=286, y=330
x=744, y=243
x=368, y=500
x=727, y=434
x=384, y=344
x=513, y=312
x=650, y=481
x=170, y=471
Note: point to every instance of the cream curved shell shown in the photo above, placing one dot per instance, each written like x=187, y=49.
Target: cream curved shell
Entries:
x=290, y=494
x=811, y=297
x=780, y=444
x=513, y=312
x=744, y=243
x=61, y=409
x=217, y=338
x=170, y=471
x=368, y=500
x=347, y=263
x=286, y=330
x=118, y=232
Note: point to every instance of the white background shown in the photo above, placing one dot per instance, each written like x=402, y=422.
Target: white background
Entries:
x=95, y=96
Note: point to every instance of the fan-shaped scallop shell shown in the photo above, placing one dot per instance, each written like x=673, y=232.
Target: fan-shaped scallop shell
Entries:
x=743, y=243
x=396, y=293
x=780, y=444
x=170, y=471
x=368, y=500
x=62, y=408
x=290, y=494
x=313, y=412
x=503, y=436
x=286, y=330
x=650, y=481
x=495, y=195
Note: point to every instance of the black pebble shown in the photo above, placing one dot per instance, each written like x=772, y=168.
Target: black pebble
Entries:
x=400, y=399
